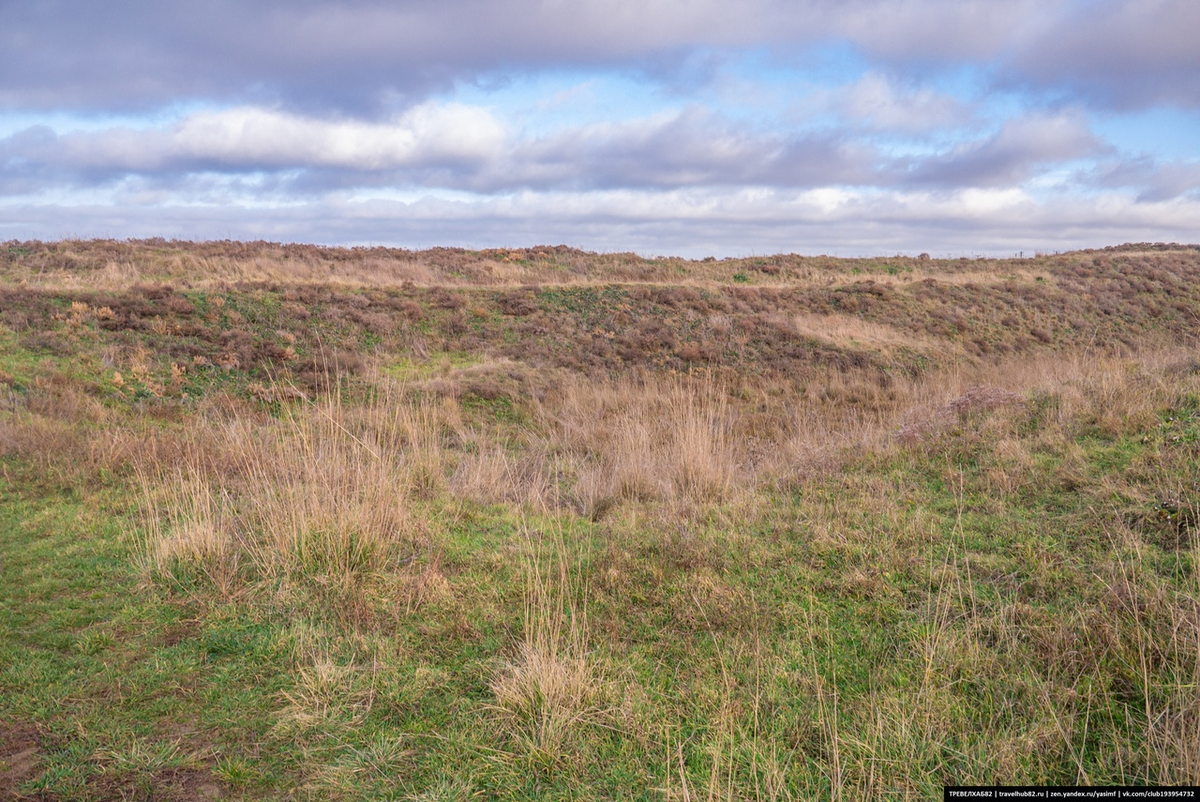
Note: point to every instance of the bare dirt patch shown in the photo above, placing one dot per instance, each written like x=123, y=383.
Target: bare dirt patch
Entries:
x=173, y=785
x=20, y=757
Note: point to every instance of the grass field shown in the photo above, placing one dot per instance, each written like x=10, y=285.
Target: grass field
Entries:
x=285, y=521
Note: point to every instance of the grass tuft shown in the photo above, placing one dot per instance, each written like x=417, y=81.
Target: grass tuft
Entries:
x=550, y=688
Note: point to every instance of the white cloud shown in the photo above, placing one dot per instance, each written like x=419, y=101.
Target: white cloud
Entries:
x=449, y=146
x=687, y=222
x=256, y=138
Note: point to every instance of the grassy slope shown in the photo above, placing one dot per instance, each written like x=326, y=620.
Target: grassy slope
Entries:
x=573, y=598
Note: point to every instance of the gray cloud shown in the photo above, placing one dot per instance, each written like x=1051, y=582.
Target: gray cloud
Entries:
x=346, y=55
x=458, y=147
x=1121, y=53
x=691, y=148
x=877, y=102
x=1011, y=156
x=929, y=31
x=371, y=57
x=1154, y=180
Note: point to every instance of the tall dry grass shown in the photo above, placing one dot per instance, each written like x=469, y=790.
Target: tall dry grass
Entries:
x=321, y=494
x=647, y=439
x=329, y=493
x=1158, y=641
x=551, y=688
x=667, y=438
x=329, y=486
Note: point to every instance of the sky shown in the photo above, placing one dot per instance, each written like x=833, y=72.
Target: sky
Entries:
x=664, y=127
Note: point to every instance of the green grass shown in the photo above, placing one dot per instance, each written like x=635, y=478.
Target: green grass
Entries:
x=711, y=640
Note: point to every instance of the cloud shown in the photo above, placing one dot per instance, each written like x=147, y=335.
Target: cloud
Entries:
x=350, y=56
x=1010, y=156
x=256, y=139
x=930, y=31
x=1125, y=54
x=692, y=147
x=369, y=57
x=712, y=121
x=686, y=222
x=1153, y=180
x=451, y=146
x=466, y=148
x=876, y=102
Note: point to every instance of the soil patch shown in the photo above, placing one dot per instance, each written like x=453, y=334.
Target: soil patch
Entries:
x=20, y=757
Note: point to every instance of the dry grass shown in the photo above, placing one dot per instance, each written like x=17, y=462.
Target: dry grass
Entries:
x=551, y=688
x=648, y=439
x=192, y=535
x=847, y=330
x=321, y=495
x=1160, y=645
x=327, y=699
x=326, y=488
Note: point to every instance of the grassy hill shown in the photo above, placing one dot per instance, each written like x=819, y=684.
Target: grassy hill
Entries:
x=534, y=524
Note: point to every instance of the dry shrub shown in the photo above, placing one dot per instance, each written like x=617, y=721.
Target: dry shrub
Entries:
x=60, y=397
x=74, y=453
x=1050, y=396
x=974, y=400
